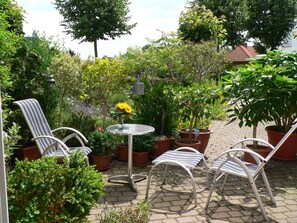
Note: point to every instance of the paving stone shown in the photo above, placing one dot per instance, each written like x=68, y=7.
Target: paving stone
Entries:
x=175, y=203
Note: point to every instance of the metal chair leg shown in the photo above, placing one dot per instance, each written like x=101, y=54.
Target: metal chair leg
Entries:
x=165, y=175
x=268, y=188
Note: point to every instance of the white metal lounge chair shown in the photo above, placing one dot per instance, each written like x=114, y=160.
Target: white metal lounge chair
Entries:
x=47, y=143
x=187, y=160
x=229, y=163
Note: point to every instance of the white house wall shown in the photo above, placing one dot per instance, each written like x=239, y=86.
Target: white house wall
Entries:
x=291, y=44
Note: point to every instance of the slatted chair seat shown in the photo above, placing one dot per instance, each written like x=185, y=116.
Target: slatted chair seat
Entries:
x=233, y=168
x=188, y=159
x=229, y=163
x=185, y=157
x=44, y=137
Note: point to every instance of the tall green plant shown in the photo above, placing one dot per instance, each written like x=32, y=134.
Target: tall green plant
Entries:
x=265, y=90
x=157, y=107
x=66, y=70
x=30, y=77
x=195, y=102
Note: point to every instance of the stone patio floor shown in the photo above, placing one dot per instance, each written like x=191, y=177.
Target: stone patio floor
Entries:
x=174, y=203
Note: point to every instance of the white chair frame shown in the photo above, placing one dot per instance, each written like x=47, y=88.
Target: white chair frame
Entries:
x=185, y=157
x=47, y=143
x=229, y=163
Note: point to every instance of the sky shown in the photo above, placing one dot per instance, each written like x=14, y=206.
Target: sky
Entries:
x=151, y=16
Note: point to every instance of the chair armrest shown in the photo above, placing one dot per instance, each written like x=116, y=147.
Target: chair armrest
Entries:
x=187, y=148
x=230, y=151
x=75, y=133
x=253, y=139
x=58, y=142
x=233, y=150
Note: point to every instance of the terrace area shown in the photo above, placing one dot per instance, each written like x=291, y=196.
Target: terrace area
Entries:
x=175, y=203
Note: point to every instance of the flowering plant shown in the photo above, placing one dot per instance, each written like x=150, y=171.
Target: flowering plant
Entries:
x=102, y=142
x=123, y=108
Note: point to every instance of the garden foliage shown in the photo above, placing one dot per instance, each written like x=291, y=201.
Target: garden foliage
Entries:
x=45, y=191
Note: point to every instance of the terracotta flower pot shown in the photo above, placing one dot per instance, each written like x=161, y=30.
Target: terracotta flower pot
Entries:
x=140, y=159
x=188, y=142
x=288, y=150
x=203, y=137
x=123, y=153
x=161, y=147
x=30, y=152
x=101, y=162
x=260, y=149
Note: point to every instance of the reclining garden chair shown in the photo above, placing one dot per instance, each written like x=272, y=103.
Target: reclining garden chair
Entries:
x=185, y=157
x=229, y=163
x=47, y=143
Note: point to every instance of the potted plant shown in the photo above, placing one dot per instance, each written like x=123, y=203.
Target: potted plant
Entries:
x=158, y=109
x=279, y=93
x=241, y=91
x=123, y=148
x=142, y=145
x=102, y=143
x=267, y=89
x=195, y=101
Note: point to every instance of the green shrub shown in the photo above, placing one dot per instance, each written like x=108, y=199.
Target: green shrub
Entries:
x=44, y=191
x=132, y=214
x=143, y=143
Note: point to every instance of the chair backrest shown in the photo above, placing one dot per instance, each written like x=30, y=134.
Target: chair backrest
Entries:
x=281, y=142
x=36, y=121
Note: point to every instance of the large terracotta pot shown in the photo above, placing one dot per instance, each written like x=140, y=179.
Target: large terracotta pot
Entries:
x=101, y=162
x=161, y=147
x=123, y=153
x=30, y=152
x=288, y=150
x=260, y=149
x=203, y=137
x=140, y=159
x=188, y=142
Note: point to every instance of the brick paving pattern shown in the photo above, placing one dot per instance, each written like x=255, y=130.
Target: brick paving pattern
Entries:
x=174, y=203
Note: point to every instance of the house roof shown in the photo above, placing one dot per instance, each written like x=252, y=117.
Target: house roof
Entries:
x=241, y=54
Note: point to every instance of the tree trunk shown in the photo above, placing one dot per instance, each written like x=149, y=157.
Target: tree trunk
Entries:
x=95, y=48
x=255, y=143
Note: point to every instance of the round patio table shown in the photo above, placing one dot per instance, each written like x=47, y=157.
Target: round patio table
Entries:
x=130, y=130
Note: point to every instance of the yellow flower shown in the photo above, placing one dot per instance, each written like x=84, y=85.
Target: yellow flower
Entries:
x=124, y=108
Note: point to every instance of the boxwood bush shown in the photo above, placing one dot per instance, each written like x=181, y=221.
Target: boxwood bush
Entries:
x=45, y=191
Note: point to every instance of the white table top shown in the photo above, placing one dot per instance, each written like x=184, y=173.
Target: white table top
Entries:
x=131, y=129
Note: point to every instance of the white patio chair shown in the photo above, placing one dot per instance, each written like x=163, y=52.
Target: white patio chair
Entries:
x=47, y=143
x=185, y=157
x=229, y=163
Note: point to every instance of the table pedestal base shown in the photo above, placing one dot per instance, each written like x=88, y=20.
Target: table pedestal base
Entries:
x=128, y=179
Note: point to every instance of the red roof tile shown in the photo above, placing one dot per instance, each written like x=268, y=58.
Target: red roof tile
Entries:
x=242, y=54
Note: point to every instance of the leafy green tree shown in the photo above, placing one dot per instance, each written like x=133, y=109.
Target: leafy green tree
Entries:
x=158, y=58
x=11, y=19
x=199, y=24
x=201, y=61
x=169, y=57
x=67, y=71
x=13, y=15
x=94, y=20
x=270, y=22
x=101, y=80
x=234, y=12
